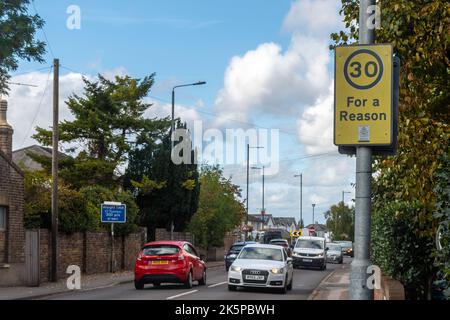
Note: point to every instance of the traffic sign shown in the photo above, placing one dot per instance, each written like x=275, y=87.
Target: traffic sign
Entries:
x=114, y=213
x=296, y=234
x=364, y=96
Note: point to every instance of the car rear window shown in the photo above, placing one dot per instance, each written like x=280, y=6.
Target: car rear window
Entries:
x=279, y=243
x=162, y=250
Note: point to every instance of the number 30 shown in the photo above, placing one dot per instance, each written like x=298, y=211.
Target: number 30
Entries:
x=356, y=73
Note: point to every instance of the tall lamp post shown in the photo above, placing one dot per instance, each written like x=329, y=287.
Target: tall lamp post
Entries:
x=301, y=199
x=314, y=220
x=172, y=128
x=248, y=179
x=263, y=208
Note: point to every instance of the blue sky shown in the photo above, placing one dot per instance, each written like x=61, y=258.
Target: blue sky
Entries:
x=266, y=62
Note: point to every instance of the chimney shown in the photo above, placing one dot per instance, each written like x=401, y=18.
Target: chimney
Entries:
x=6, y=131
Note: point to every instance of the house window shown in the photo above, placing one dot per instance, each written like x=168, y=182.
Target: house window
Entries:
x=2, y=218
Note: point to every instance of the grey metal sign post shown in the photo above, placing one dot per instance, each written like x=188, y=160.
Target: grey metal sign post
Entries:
x=113, y=212
x=358, y=275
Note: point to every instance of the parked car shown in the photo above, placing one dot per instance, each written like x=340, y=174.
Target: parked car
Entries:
x=347, y=248
x=234, y=251
x=334, y=253
x=310, y=252
x=169, y=262
x=262, y=266
x=283, y=243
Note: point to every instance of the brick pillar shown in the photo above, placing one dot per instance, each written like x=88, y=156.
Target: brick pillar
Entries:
x=6, y=130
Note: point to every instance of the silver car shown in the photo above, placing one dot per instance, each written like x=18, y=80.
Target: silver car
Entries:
x=334, y=253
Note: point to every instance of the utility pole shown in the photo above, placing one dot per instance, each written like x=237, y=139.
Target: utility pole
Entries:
x=54, y=274
x=314, y=220
x=248, y=179
x=358, y=275
x=301, y=199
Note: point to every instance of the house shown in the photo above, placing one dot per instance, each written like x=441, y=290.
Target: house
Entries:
x=22, y=157
x=321, y=230
x=260, y=222
x=12, y=233
x=288, y=224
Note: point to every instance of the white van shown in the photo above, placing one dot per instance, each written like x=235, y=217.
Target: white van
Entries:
x=310, y=252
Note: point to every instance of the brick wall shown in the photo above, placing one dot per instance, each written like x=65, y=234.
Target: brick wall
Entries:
x=90, y=251
x=12, y=197
x=2, y=247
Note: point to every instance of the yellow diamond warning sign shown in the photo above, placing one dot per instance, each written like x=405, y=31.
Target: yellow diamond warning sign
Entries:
x=363, y=95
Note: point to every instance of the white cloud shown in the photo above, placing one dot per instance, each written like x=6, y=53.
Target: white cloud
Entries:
x=315, y=127
x=316, y=18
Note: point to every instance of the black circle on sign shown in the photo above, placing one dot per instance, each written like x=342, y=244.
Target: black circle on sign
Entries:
x=380, y=74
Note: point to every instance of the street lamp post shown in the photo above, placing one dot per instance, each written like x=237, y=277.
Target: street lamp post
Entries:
x=314, y=220
x=248, y=179
x=263, y=208
x=172, y=129
x=301, y=199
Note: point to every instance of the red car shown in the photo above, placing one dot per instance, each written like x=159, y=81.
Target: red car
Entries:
x=169, y=262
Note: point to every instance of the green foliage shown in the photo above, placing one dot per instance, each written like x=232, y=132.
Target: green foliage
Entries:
x=442, y=214
x=219, y=210
x=401, y=251
x=17, y=32
x=340, y=221
x=419, y=32
x=96, y=195
x=165, y=192
x=109, y=122
x=73, y=213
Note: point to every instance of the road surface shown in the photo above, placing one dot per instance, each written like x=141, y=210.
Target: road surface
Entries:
x=305, y=282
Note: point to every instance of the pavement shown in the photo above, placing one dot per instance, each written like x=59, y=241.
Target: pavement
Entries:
x=335, y=285
x=88, y=283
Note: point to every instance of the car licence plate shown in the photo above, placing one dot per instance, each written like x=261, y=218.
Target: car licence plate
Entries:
x=307, y=260
x=160, y=262
x=257, y=278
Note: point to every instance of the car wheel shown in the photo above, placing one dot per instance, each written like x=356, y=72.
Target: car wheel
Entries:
x=139, y=285
x=232, y=288
x=202, y=281
x=285, y=288
x=289, y=287
x=188, y=283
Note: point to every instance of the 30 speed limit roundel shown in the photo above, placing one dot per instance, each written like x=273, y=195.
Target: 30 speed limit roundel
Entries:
x=363, y=95
x=363, y=69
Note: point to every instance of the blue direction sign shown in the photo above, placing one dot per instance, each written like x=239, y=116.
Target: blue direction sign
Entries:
x=114, y=213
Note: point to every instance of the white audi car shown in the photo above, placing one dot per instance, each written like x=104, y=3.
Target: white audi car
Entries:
x=262, y=266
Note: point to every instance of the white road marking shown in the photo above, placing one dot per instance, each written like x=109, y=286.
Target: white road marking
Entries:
x=182, y=295
x=217, y=284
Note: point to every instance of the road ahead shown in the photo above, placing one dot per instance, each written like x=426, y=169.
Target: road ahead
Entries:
x=305, y=281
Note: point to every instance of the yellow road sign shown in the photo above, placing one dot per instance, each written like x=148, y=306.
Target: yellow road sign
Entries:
x=296, y=234
x=363, y=95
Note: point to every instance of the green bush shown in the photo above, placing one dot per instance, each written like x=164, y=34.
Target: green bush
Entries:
x=402, y=250
x=96, y=195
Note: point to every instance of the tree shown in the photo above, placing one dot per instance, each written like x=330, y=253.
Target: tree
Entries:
x=220, y=209
x=17, y=32
x=340, y=220
x=165, y=192
x=109, y=122
x=418, y=31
